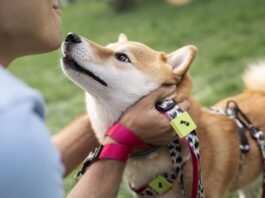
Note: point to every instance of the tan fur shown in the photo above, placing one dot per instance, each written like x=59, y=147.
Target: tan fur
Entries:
x=218, y=135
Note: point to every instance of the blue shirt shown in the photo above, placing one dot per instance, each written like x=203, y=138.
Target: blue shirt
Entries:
x=30, y=165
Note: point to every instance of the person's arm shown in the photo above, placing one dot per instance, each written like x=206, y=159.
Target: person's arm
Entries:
x=102, y=179
x=75, y=142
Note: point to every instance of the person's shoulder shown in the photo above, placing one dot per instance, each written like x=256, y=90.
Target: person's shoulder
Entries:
x=30, y=164
x=15, y=92
x=29, y=160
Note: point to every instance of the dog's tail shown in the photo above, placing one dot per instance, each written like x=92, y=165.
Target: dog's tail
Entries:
x=254, y=77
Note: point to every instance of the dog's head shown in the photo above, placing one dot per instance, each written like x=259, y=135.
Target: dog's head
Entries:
x=124, y=68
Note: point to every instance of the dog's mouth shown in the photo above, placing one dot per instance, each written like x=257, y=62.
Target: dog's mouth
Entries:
x=73, y=65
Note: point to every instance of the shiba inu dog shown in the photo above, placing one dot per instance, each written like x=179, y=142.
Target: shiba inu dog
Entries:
x=118, y=75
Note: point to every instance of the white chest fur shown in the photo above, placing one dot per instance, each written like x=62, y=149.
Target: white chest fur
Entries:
x=140, y=170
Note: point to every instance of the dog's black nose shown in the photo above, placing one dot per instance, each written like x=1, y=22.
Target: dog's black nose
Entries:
x=72, y=38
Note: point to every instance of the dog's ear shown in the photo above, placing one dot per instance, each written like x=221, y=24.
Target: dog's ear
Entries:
x=122, y=38
x=181, y=59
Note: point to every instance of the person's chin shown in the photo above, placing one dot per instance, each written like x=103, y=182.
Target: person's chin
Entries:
x=51, y=34
x=57, y=33
x=52, y=40
x=45, y=45
x=56, y=42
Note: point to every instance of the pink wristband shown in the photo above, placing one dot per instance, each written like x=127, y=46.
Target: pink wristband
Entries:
x=124, y=136
x=118, y=152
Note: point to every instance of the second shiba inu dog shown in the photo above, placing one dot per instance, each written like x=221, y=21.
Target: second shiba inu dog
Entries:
x=118, y=75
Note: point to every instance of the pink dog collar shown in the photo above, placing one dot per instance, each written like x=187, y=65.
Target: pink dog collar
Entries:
x=124, y=136
x=118, y=152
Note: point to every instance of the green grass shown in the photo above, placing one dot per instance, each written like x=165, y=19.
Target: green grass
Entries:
x=228, y=35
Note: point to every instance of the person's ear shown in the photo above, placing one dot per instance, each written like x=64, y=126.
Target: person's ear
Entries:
x=122, y=38
x=181, y=59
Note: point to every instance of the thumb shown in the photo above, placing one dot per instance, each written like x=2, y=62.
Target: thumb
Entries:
x=161, y=93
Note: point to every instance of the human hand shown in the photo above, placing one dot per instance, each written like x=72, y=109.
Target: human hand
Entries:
x=149, y=124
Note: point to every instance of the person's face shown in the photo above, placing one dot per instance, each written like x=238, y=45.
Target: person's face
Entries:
x=30, y=26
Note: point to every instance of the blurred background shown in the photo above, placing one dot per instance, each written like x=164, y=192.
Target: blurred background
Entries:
x=229, y=34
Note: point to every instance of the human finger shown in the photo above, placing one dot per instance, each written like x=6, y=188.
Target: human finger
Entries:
x=159, y=94
x=185, y=105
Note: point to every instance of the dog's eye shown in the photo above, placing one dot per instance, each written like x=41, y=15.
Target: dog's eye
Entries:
x=122, y=57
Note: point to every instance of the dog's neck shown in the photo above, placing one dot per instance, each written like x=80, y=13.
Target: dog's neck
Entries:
x=195, y=110
x=104, y=113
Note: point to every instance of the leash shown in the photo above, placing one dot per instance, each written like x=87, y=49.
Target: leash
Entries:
x=185, y=128
x=232, y=109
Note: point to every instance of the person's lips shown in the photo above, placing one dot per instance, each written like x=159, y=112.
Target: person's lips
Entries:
x=56, y=7
x=56, y=4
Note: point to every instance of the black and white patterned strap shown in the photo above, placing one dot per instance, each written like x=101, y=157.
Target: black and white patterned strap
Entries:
x=174, y=148
x=172, y=110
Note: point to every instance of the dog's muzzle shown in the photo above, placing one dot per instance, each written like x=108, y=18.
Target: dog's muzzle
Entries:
x=70, y=63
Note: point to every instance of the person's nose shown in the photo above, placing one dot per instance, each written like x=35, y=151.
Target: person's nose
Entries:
x=72, y=38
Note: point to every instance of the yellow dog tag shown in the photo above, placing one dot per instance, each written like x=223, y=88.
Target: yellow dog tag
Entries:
x=160, y=185
x=183, y=124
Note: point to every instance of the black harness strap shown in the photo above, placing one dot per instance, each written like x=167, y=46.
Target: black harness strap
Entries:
x=232, y=110
x=255, y=133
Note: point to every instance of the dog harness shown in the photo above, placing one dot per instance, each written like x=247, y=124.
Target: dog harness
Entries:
x=185, y=129
x=243, y=122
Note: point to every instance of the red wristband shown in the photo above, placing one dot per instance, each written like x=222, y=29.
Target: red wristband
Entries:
x=124, y=136
x=118, y=152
